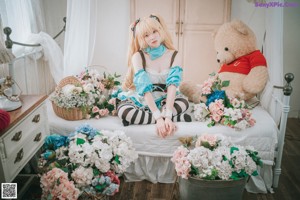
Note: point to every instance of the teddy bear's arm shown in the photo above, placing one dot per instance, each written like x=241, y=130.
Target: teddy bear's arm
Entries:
x=256, y=80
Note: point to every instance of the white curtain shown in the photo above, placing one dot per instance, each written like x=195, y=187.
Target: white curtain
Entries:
x=80, y=35
x=274, y=54
x=26, y=19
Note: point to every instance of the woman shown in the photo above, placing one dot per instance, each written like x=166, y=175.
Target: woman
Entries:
x=152, y=79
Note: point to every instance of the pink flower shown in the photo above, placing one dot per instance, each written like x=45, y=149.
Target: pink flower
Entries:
x=103, y=112
x=252, y=122
x=95, y=109
x=216, y=117
x=112, y=101
x=101, y=86
x=211, y=139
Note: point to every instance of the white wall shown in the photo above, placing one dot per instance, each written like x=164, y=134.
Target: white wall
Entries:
x=291, y=53
x=112, y=35
x=253, y=16
x=55, y=11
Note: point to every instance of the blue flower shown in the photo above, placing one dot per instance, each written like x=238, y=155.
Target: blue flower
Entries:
x=217, y=94
x=87, y=130
x=101, y=180
x=107, y=179
x=55, y=141
x=49, y=154
x=113, y=188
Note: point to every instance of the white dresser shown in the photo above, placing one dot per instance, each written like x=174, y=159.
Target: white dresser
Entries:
x=23, y=137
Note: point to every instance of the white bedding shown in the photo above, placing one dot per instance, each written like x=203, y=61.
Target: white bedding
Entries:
x=154, y=152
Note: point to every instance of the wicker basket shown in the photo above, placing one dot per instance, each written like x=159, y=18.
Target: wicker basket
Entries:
x=71, y=114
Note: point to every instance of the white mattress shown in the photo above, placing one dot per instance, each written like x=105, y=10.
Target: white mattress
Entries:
x=154, y=162
x=263, y=136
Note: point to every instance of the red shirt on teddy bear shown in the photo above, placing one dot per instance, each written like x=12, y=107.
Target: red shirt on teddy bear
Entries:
x=245, y=63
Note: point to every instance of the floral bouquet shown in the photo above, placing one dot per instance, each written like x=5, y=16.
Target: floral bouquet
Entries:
x=103, y=85
x=212, y=157
x=90, y=92
x=220, y=109
x=87, y=162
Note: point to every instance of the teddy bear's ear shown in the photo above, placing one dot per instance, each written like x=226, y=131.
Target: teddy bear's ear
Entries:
x=240, y=27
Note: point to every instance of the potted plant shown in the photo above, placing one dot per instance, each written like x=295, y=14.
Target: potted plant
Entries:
x=211, y=167
x=85, y=163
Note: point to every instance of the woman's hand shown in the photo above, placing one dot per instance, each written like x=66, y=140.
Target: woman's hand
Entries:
x=161, y=128
x=170, y=126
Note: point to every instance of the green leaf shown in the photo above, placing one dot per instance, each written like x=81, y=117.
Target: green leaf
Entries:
x=194, y=170
x=212, y=74
x=255, y=173
x=62, y=162
x=225, y=83
x=117, y=159
x=65, y=169
x=56, y=164
x=117, y=83
x=96, y=172
x=80, y=141
x=100, y=188
x=232, y=149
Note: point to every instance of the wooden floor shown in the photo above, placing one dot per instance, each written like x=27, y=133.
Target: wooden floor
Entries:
x=288, y=189
x=289, y=182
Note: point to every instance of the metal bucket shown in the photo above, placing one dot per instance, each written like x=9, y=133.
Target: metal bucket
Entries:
x=194, y=188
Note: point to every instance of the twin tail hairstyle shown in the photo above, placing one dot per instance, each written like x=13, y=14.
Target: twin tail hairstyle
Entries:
x=137, y=32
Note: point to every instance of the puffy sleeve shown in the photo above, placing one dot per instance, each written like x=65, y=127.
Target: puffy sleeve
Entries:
x=174, y=76
x=142, y=82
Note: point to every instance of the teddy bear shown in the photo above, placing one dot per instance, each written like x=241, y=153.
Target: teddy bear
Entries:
x=240, y=62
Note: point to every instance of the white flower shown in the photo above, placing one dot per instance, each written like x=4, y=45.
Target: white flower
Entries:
x=200, y=112
x=88, y=88
x=82, y=176
x=222, y=161
x=68, y=89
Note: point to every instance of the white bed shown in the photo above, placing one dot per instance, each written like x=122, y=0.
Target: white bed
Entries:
x=154, y=152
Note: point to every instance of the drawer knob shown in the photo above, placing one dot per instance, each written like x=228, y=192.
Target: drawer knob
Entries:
x=38, y=137
x=36, y=118
x=19, y=156
x=17, y=136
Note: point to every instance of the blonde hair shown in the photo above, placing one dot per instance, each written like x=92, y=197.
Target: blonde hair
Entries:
x=137, y=32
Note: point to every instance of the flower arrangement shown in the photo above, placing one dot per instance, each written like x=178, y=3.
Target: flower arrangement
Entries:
x=85, y=162
x=91, y=93
x=104, y=103
x=219, y=109
x=213, y=157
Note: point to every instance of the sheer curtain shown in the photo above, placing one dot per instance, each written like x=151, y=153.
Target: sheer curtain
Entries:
x=26, y=19
x=274, y=55
x=80, y=35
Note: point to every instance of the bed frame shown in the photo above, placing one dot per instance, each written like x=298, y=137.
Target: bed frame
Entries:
x=285, y=107
x=284, y=104
x=22, y=58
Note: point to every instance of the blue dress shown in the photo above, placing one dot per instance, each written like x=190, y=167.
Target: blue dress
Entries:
x=147, y=80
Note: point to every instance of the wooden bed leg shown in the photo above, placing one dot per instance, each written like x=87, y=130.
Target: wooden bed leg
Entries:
x=287, y=91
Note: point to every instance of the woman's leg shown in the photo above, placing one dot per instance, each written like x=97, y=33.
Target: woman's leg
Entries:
x=131, y=114
x=180, y=106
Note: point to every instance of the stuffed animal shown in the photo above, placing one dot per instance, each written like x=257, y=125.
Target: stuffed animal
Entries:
x=241, y=63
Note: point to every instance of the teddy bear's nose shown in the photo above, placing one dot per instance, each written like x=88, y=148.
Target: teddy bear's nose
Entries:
x=218, y=60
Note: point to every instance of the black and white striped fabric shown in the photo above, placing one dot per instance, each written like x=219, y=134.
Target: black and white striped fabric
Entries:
x=131, y=114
